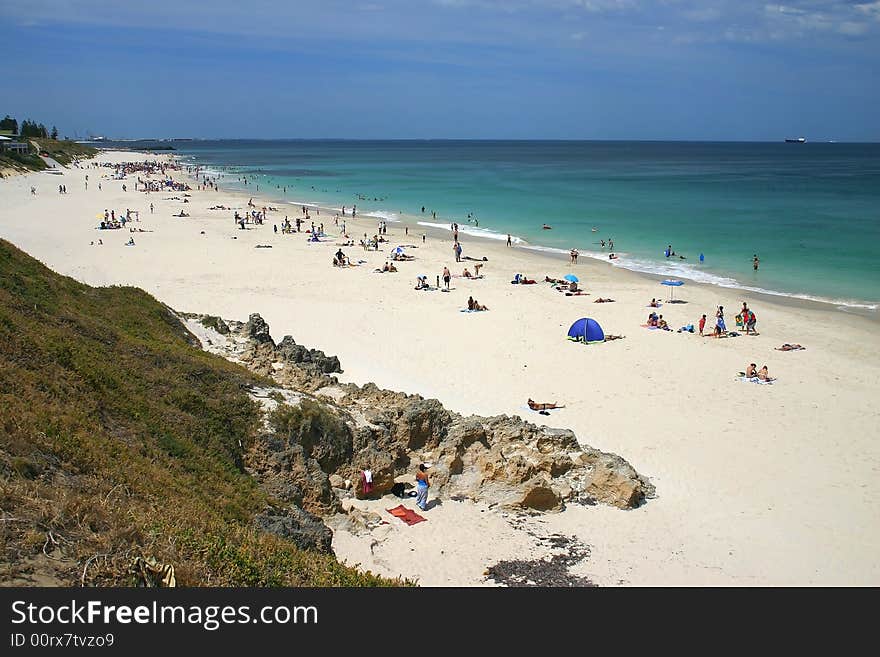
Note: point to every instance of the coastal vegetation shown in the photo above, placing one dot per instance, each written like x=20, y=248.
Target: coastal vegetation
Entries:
x=121, y=439
x=41, y=142
x=64, y=151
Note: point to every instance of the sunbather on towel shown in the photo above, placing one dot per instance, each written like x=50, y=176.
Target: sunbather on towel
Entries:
x=535, y=406
x=751, y=371
x=601, y=300
x=763, y=374
x=789, y=347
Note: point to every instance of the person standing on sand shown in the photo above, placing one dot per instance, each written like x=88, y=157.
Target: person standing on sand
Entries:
x=508, y=239
x=424, y=235
x=422, y=485
x=702, y=324
x=446, y=277
x=719, y=321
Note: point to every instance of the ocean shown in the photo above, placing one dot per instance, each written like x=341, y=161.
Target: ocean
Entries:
x=810, y=212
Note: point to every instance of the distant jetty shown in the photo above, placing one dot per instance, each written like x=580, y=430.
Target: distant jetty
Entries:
x=798, y=140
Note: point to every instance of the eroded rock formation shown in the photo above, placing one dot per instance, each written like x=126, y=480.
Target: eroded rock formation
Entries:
x=332, y=432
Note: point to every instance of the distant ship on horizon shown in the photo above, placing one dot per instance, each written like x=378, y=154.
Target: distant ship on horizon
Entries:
x=799, y=140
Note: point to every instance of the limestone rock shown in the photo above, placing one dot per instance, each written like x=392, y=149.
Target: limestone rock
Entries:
x=502, y=460
x=305, y=530
x=290, y=351
x=380, y=464
x=258, y=330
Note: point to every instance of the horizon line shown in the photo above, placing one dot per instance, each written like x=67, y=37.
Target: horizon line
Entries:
x=488, y=139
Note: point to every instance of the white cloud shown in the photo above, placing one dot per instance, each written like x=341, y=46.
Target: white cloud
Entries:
x=871, y=9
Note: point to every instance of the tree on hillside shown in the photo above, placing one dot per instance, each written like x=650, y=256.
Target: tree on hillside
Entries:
x=9, y=123
x=54, y=134
x=33, y=129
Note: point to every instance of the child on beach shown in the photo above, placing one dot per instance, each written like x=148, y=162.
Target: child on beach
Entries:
x=702, y=324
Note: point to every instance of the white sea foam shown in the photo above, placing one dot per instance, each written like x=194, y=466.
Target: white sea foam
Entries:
x=550, y=249
x=207, y=171
x=698, y=275
x=382, y=214
x=474, y=231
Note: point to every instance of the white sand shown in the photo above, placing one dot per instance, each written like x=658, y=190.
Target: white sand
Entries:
x=775, y=484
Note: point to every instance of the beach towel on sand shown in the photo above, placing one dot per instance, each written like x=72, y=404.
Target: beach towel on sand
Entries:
x=755, y=379
x=409, y=516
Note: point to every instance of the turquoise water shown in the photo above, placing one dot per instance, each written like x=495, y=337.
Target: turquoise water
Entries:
x=811, y=212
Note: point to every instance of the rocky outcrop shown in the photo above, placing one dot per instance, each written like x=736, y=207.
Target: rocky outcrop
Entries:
x=305, y=530
x=291, y=352
x=258, y=330
x=500, y=460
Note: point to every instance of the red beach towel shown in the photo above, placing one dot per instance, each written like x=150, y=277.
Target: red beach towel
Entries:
x=409, y=516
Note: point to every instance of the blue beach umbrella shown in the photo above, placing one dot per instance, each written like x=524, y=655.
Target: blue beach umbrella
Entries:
x=672, y=283
x=571, y=277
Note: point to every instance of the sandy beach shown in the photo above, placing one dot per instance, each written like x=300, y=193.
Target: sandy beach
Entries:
x=756, y=484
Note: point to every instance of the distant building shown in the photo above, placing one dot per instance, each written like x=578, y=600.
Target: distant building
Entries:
x=9, y=144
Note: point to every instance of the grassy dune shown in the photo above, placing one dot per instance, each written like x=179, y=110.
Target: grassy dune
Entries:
x=121, y=438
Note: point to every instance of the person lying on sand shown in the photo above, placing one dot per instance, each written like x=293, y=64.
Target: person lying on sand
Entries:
x=789, y=347
x=547, y=279
x=609, y=338
x=601, y=300
x=535, y=406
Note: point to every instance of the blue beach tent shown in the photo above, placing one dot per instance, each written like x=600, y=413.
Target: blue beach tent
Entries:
x=586, y=330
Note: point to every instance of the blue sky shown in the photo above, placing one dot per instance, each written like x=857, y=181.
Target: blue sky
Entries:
x=521, y=69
